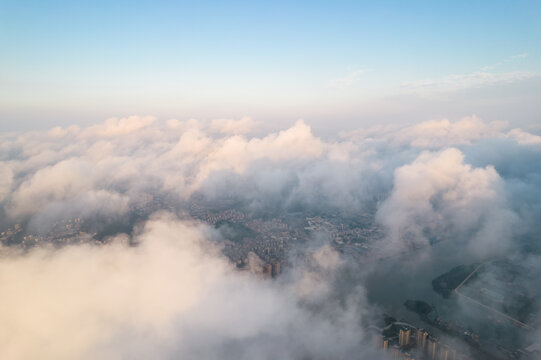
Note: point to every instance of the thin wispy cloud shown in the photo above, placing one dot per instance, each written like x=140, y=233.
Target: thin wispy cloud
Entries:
x=520, y=56
x=349, y=79
x=456, y=82
x=485, y=76
x=505, y=61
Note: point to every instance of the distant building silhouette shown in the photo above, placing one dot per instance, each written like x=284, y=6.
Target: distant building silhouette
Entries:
x=421, y=336
x=404, y=337
x=432, y=349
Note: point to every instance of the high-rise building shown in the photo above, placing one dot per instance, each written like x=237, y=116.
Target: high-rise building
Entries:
x=378, y=341
x=446, y=353
x=267, y=270
x=397, y=353
x=275, y=269
x=432, y=349
x=385, y=344
x=404, y=337
x=420, y=338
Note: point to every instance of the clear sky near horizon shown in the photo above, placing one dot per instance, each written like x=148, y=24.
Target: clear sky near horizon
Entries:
x=335, y=64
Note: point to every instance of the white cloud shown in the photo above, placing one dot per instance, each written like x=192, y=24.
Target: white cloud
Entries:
x=233, y=127
x=121, y=157
x=456, y=82
x=6, y=180
x=441, y=133
x=172, y=296
x=520, y=56
x=505, y=61
x=439, y=195
x=122, y=126
x=65, y=171
x=67, y=167
x=524, y=137
x=349, y=79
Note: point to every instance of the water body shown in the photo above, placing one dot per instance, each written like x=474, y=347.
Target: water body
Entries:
x=409, y=277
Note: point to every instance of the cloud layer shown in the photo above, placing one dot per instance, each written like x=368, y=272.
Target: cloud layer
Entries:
x=166, y=291
x=173, y=295
x=102, y=171
x=438, y=196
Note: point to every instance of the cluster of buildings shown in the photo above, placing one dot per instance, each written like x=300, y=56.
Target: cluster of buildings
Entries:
x=270, y=241
x=9, y=236
x=355, y=240
x=271, y=269
x=202, y=213
x=414, y=344
x=342, y=233
x=271, y=251
x=273, y=235
x=229, y=215
x=62, y=232
x=145, y=204
x=275, y=226
x=317, y=223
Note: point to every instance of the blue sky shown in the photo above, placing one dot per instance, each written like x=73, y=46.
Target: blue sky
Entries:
x=352, y=63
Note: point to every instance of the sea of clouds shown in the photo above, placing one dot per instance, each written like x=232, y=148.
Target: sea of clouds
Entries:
x=165, y=290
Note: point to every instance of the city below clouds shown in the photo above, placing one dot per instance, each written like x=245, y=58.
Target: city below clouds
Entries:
x=165, y=289
x=270, y=180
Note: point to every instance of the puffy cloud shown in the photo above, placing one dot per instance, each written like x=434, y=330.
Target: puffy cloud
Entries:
x=433, y=134
x=6, y=180
x=438, y=197
x=61, y=181
x=66, y=189
x=170, y=296
x=232, y=127
x=66, y=168
x=129, y=156
x=116, y=126
x=441, y=133
x=524, y=138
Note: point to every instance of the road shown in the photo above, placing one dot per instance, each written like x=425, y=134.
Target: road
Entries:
x=511, y=319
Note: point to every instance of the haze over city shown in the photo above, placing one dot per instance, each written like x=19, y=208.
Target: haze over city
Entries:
x=256, y=180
